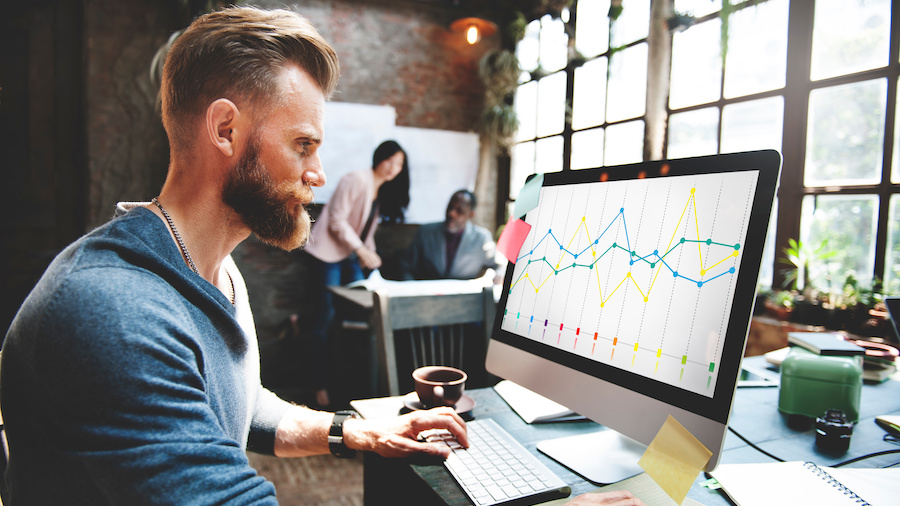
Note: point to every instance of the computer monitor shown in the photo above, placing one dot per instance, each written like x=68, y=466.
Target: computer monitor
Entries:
x=893, y=308
x=630, y=300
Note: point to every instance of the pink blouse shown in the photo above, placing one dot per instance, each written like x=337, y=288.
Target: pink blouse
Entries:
x=336, y=232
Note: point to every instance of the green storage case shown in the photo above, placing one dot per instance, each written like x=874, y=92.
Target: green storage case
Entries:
x=812, y=383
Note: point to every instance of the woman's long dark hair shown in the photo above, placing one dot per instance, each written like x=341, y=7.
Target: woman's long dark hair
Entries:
x=393, y=196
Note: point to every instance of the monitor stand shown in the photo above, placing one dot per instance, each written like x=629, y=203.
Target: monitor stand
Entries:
x=601, y=457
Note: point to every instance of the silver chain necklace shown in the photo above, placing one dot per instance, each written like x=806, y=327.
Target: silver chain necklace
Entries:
x=183, y=248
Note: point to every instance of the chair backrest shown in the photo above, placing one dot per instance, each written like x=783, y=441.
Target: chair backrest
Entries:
x=424, y=330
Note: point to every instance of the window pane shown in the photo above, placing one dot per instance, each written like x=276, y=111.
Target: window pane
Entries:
x=521, y=165
x=528, y=49
x=632, y=24
x=757, y=49
x=847, y=223
x=625, y=143
x=766, y=268
x=526, y=110
x=696, y=65
x=850, y=37
x=548, y=154
x=895, y=166
x=892, y=260
x=587, y=149
x=697, y=8
x=554, y=42
x=845, y=135
x=627, y=84
x=589, y=102
x=752, y=125
x=592, y=27
x=551, y=114
x=693, y=133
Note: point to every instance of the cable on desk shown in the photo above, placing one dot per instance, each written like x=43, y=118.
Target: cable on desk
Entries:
x=753, y=445
x=876, y=454
x=844, y=463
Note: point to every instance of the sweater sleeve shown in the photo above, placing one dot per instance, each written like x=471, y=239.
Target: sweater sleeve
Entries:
x=345, y=203
x=269, y=411
x=125, y=393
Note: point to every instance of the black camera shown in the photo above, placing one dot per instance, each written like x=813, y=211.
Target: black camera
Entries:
x=833, y=431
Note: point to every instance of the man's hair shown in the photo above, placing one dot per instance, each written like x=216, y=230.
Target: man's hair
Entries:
x=468, y=195
x=238, y=54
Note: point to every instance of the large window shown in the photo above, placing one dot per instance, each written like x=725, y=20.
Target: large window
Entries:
x=815, y=80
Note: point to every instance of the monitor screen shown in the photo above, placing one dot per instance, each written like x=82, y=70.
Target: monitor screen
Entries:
x=639, y=280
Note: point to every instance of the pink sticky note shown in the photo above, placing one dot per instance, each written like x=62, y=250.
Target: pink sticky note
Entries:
x=511, y=239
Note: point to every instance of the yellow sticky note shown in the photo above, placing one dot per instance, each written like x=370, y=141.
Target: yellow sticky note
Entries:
x=674, y=459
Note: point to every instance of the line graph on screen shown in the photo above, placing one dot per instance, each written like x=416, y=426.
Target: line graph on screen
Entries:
x=638, y=274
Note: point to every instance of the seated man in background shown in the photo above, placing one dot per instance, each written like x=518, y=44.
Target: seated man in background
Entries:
x=453, y=249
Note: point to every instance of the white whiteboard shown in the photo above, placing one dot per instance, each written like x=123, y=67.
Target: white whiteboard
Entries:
x=352, y=132
x=440, y=161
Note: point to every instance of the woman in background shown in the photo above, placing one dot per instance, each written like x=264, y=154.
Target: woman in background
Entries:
x=343, y=239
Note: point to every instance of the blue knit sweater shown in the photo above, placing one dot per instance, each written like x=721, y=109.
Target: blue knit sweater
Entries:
x=127, y=379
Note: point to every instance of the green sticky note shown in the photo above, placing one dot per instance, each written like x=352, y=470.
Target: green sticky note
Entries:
x=529, y=196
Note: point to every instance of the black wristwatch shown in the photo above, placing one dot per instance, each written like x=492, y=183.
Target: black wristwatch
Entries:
x=336, y=435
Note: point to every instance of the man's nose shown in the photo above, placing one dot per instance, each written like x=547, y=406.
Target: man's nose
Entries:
x=314, y=175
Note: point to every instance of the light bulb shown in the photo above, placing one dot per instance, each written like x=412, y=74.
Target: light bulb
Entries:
x=472, y=34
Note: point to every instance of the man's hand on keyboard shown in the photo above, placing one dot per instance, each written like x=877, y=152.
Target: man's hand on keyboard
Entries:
x=618, y=498
x=398, y=437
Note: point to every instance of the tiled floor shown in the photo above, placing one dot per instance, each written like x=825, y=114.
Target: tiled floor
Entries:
x=320, y=480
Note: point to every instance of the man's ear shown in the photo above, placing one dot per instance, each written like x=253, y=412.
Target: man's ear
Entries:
x=221, y=125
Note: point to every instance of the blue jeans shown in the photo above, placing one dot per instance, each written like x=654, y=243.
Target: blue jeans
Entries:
x=327, y=274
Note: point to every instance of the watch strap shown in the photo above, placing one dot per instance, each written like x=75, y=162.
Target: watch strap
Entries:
x=336, y=434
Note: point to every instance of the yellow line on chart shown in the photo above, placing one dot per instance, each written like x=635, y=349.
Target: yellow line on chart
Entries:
x=603, y=301
x=674, y=233
x=561, y=255
x=697, y=222
x=599, y=286
x=732, y=255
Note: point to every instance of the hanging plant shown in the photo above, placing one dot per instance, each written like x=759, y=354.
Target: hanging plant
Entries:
x=499, y=123
x=499, y=70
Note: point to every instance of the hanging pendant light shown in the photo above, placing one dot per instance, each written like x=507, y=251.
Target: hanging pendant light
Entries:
x=474, y=28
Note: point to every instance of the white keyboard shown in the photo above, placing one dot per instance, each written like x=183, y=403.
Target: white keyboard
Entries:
x=497, y=469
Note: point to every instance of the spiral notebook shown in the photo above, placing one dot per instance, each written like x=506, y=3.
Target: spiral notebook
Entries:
x=807, y=483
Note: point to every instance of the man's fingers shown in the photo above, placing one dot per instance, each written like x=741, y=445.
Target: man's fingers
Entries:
x=616, y=498
x=442, y=418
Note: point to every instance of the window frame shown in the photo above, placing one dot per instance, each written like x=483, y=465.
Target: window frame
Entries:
x=796, y=96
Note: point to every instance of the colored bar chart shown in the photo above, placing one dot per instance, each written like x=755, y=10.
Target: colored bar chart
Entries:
x=645, y=269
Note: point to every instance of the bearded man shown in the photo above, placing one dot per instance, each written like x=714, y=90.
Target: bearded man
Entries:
x=131, y=374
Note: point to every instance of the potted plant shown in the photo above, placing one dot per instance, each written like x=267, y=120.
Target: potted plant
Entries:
x=808, y=308
x=780, y=304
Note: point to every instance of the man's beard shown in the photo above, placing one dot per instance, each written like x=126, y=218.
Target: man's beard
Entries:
x=273, y=211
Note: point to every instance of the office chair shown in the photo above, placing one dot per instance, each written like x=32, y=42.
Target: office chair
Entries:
x=416, y=331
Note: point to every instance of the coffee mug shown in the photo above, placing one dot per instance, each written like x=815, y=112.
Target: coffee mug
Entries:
x=439, y=385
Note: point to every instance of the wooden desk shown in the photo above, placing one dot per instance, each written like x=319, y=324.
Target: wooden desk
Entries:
x=362, y=299
x=755, y=415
